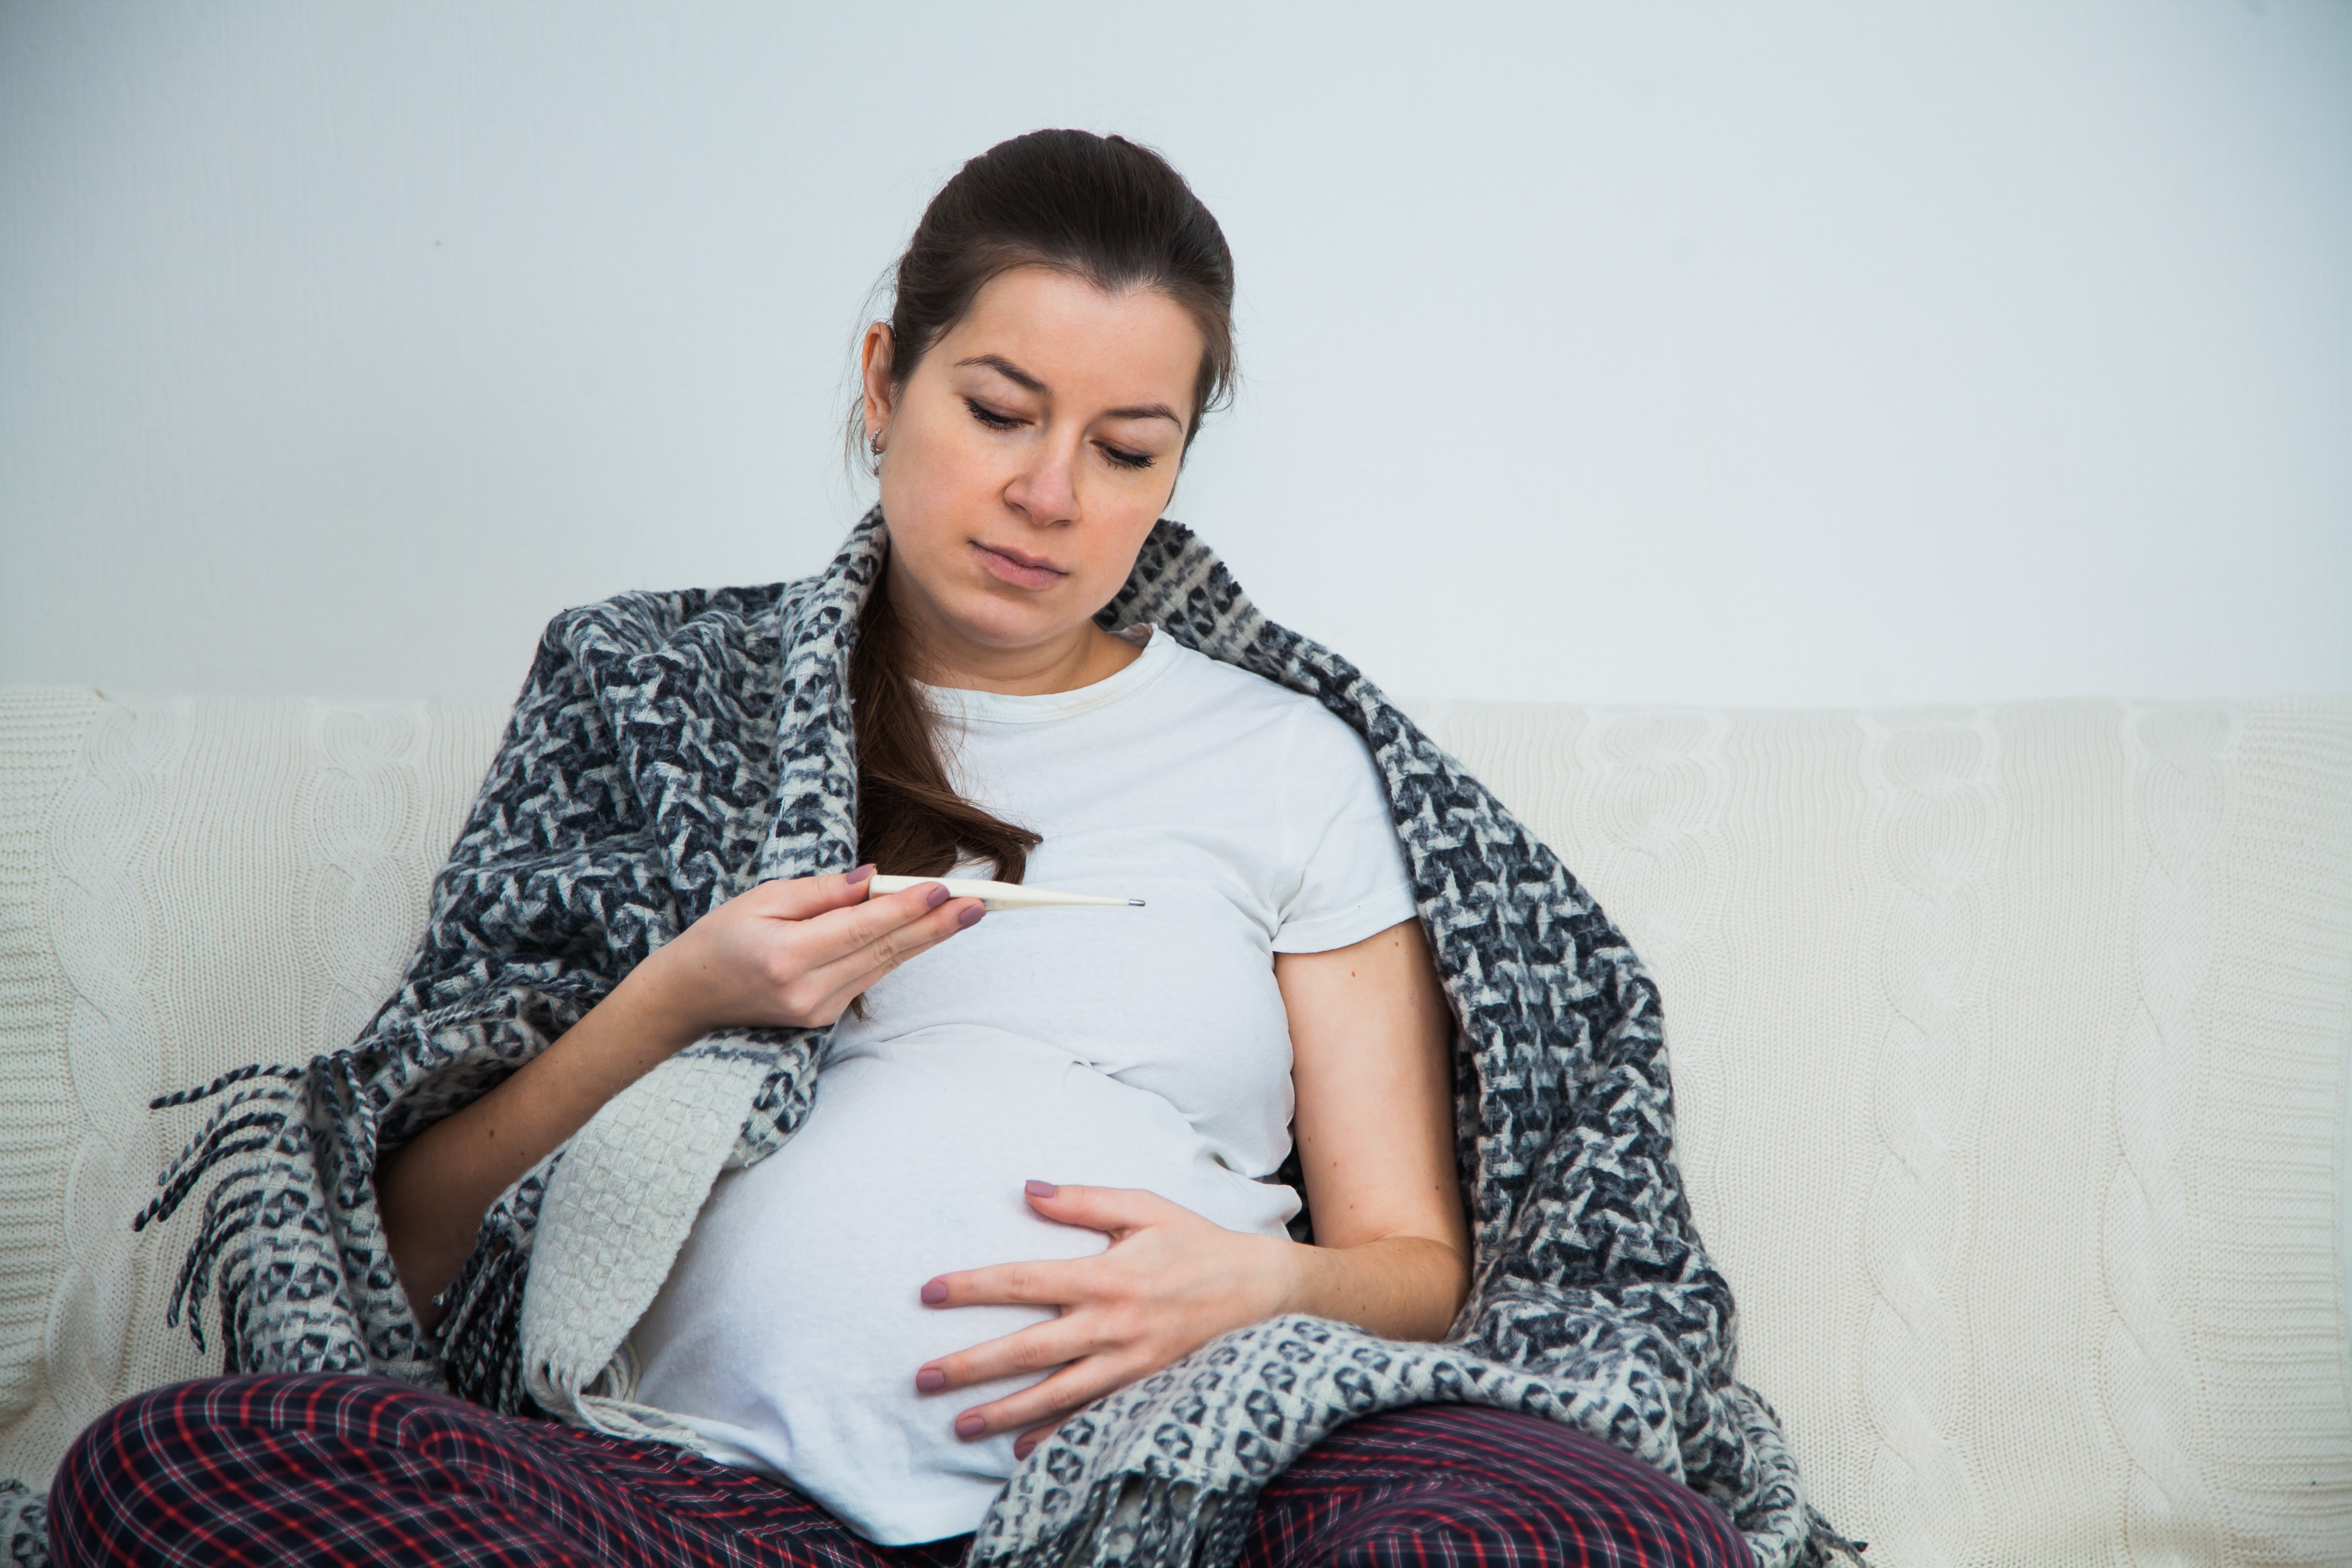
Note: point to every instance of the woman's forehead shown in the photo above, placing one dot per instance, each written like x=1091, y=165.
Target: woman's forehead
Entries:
x=1052, y=332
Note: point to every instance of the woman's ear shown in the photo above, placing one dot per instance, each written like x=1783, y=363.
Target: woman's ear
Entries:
x=874, y=361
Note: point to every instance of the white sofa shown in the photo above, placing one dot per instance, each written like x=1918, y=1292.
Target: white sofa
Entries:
x=2010, y=1043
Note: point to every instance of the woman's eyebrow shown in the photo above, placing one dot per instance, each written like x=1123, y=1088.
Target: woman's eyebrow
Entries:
x=1145, y=411
x=1022, y=378
x=1005, y=368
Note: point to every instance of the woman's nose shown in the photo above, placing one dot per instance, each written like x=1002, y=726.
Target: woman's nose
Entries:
x=1046, y=487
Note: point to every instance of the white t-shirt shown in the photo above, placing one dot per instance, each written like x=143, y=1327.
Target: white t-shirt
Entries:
x=1132, y=1047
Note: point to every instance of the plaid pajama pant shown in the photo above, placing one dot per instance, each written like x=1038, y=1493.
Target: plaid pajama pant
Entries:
x=323, y=1469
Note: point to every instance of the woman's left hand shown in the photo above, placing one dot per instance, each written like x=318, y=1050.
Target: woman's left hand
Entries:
x=1169, y=1283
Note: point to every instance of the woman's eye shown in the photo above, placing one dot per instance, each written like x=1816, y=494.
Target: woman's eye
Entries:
x=989, y=416
x=1126, y=459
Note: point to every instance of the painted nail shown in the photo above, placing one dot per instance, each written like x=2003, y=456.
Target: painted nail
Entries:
x=859, y=876
x=936, y=895
x=970, y=1425
x=1020, y=1450
x=934, y=1293
x=1042, y=1189
x=970, y=917
x=930, y=1380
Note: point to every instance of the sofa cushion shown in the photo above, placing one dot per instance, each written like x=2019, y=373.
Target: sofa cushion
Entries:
x=185, y=886
x=2010, y=1046
x=2010, y=1052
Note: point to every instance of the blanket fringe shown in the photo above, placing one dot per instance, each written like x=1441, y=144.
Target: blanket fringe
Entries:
x=24, y=1526
x=211, y=1145
x=485, y=1317
x=247, y=1122
x=239, y=1075
x=1824, y=1544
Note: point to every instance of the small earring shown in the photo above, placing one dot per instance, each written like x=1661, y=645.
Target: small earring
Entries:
x=873, y=443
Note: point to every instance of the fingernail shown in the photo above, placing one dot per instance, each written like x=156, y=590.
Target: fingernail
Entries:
x=859, y=876
x=970, y=917
x=1042, y=1189
x=930, y=1380
x=936, y=895
x=934, y=1293
x=970, y=1425
x=1021, y=1449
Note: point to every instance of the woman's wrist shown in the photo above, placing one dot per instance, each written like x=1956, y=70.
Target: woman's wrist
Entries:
x=658, y=997
x=1291, y=1268
x=1405, y=1288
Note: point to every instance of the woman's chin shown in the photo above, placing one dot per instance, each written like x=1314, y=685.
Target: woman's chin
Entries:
x=1008, y=620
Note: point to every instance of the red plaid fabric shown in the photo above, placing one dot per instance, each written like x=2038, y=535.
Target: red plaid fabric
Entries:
x=1460, y=1486
x=327, y=1470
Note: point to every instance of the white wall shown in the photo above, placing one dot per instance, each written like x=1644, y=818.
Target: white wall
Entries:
x=1804, y=352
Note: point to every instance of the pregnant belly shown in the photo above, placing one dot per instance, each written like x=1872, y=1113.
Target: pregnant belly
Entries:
x=790, y=1328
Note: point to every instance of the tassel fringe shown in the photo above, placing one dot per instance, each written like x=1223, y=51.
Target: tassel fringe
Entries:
x=190, y=1096
x=24, y=1526
x=482, y=1335
x=249, y=1123
x=1824, y=1545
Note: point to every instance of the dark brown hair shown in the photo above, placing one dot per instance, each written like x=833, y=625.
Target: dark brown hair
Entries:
x=1100, y=208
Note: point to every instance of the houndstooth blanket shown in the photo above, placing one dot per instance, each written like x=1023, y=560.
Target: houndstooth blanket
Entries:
x=671, y=750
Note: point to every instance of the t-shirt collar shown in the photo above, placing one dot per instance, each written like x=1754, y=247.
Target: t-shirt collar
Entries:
x=970, y=707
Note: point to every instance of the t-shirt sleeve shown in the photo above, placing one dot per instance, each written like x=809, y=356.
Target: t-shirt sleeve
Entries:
x=1347, y=872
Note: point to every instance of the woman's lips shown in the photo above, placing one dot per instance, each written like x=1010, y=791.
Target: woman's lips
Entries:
x=1020, y=571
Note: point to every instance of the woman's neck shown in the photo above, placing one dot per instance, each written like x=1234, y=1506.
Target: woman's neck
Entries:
x=940, y=655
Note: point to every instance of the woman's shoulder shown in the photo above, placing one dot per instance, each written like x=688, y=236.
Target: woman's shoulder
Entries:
x=1240, y=699
x=645, y=619
x=646, y=652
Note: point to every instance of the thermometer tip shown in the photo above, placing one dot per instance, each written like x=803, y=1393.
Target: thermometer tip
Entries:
x=1135, y=903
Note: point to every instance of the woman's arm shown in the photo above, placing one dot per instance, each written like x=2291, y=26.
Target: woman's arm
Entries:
x=785, y=953
x=1371, y=1062
x=1372, y=1045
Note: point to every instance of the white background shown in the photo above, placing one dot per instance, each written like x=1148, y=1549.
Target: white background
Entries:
x=1786, y=353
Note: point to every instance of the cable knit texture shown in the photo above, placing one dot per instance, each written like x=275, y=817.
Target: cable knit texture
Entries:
x=2073, y=981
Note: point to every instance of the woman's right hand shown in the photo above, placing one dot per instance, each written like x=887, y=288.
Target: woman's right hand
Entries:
x=796, y=954
x=785, y=953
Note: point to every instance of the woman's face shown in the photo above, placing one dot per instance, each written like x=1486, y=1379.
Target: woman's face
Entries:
x=1027, y=456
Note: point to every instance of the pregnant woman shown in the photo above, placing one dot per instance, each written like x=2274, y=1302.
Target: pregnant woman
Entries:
x=853, y=1229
